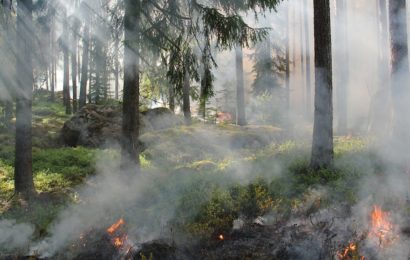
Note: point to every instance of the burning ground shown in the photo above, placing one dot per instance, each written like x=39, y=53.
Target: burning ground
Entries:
x=210, y=193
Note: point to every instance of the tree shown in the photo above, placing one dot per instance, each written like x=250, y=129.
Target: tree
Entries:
x=85, y=64
x=207, y=79
x=85, y=55
x=23, y=174
x=379, y=111
x=66, y=76
x=399, y=71
x=74, y=65
x=240, y=88
x=186, y=105
x=130, y=114
x=53, y=70
x=342, y=65
x=322, y=145
x=75, y=25
x=308, y=68
x=5, y=76
x=287, y=62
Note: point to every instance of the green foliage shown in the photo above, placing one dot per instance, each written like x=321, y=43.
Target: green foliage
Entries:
x=73, y=163
x=229, y=30
x=55, y=170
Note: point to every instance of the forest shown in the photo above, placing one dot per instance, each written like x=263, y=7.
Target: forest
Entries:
x=204, y=129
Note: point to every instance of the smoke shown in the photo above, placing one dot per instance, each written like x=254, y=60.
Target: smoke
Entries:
x=14, y=236
x=149, y=201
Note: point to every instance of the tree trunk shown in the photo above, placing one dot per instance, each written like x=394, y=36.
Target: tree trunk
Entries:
x=302, y=12
x=84, y=68
x=8, y=113
x=322, y=145
x=8, y=79
x=74, y=65
x=287, y=68
x=66, y=79
x=171, y=97
x=400, y=72
x=130, y=122
x=117, y=64
x=379, y=111
x=186, y=103
x=202, y=101
x=308, y=68
x=53, y=60
x=23, y=174
x=240, y=88
x=342, y=66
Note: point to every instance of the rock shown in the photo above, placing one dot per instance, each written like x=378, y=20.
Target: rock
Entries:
x=95, y=126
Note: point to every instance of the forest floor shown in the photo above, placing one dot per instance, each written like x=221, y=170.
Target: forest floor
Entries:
x=234, y=191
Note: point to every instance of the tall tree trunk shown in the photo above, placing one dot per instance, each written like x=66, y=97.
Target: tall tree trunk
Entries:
x=302, y=12
x=308, y=68
x=53, y=59
x=186, y=103
x=117, y=64
x=379, y=105
x=287, y=68
x=84, y=68
x=74, y=65
x=342, y=65
x=8, y=79
x=23, y=174
x=130, y=122
x=322, y=145
x=171, y=97
x=206, y=80
x=202, y=101
x=400, y=71
x=66, y=79
x=240, y=88
x=8, y=113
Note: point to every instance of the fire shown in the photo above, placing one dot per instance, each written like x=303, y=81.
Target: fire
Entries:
x=381, y=227
x=115, y=226
x=221, y=237
x=349, y=253
x=118, y=236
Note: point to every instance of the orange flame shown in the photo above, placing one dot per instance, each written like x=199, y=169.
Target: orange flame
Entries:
x=221, y=237
x=118, y=236
x=381, y=227
x=350, y=252
x=115, y=226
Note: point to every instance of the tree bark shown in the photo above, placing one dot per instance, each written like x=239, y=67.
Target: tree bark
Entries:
x=240, y=88
x=342, y=66
x=302, y=12
x=74, y=65
x=84, y=68
x=322, y=145
x=117, y=64
x=287, y=68
x=8, y=79
x=66, y=79
x=171, y=97
x=23, y=174
x=308, y=68
x=130, y=122
x=186, y=103
x=400, y=72
x=53, y=60
x=379, y=111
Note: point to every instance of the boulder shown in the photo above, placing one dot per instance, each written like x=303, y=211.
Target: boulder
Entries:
x=96, y=126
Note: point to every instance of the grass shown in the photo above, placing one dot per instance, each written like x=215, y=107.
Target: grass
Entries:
x=212, y=176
